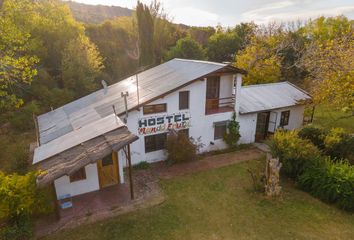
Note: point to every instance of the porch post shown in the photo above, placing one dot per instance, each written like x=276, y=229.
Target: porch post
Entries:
x=238, y=80
x=130, y=173
x=56, y=207
x=120, y=169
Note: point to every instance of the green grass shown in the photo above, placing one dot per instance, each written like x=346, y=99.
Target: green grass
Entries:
x=220, y=204
x=328, y=118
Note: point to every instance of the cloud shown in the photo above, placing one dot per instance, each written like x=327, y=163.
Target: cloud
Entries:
x=196, y=17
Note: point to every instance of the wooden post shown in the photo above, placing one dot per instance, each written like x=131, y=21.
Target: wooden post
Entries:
x=56, y=207
x=130, y=173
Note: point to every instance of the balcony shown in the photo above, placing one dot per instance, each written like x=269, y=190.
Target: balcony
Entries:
x=219, y=105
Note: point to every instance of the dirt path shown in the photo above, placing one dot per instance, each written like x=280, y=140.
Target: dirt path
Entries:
x=210, y=162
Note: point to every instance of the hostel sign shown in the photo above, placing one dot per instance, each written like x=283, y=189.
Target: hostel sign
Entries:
x=159, y=124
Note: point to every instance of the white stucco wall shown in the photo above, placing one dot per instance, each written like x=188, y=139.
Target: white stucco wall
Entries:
x=201, y=125
x=91, y=183
x=247, y=127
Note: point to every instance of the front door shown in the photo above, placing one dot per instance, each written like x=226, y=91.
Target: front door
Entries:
x=108, y=170
x=262, y=126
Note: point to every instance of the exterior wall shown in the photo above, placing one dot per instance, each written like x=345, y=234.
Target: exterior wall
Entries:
x=201, y=125
x=63, y=185
x=248, y=122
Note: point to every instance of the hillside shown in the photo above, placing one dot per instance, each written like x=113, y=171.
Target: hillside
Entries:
x=96, y=13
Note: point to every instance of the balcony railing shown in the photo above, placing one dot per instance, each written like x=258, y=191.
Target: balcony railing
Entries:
x=219, y=105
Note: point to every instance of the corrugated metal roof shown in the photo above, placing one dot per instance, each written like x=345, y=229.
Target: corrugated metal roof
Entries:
x=76, y=137
x=152, y=83
x=262, y=97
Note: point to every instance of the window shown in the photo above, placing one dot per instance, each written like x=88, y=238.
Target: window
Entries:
x=107, y=160
x=284, y=118
x=184, y=131
x=183, y=100
x=78, y=175
x=155, y=142
x=220, y=129
x=156, y=108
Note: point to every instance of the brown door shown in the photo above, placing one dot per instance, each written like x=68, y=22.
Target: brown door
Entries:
x=108, y=170
x=212, y=92
x=262, y=126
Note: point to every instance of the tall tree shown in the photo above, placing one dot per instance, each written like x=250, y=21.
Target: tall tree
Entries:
x=186, y=48
x=17, y=65
x=261, y=61
x=81, y=63
x=222, y=46
x=330, y=64
x=146, y=34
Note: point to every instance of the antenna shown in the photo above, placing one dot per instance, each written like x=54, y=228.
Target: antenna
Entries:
x=104, y=85
x=125, y=95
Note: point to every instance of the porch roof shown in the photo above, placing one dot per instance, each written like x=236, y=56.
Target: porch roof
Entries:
x=264, y=97
x=67, y=154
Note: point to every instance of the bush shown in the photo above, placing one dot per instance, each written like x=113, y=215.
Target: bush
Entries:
x=233, y=134
x=19, y=200
x=314, y=134
x=142, y=165
x=180, y=148
x=339, y=144
x=295, y=153
x=332, y=182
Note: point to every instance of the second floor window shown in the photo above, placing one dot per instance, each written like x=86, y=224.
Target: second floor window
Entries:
x=155, y=108
x=183, y=100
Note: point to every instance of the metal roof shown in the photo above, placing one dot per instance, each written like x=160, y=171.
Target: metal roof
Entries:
x=76, y=137
x=263, y=97
x=92, y=115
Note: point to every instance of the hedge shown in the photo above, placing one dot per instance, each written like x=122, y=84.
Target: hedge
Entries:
x=329, y=180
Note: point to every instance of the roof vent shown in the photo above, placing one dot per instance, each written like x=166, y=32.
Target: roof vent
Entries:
x=104, y=84
x=228, y=63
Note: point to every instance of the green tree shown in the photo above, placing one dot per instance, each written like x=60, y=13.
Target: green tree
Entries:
x=186, y=48
x=201, y=34
x=17, y=65
x=222, y=46
x=261, y=61
x=81, y=63
x=146, y=34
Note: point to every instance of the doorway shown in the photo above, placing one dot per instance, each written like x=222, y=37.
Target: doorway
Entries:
x=262, y=126
x=108, y=170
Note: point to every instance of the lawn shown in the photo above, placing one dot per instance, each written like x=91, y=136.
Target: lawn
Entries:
x=220, y=204
x=327, y=117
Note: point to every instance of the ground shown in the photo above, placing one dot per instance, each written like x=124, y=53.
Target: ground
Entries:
x=221, y=204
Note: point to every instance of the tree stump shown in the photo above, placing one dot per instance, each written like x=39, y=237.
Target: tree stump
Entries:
x=272, y=186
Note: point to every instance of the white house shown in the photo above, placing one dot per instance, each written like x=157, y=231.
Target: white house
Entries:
x=197, y=97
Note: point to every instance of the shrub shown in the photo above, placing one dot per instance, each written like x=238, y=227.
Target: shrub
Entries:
x=294, y=152
x=332, y=182
x=233, y=134
x=339, y=144
x=142, y=165
x=19, y=200
x=180, y=148
x=314, y=134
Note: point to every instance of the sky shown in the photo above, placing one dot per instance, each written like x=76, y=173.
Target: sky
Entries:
x=232, y=12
